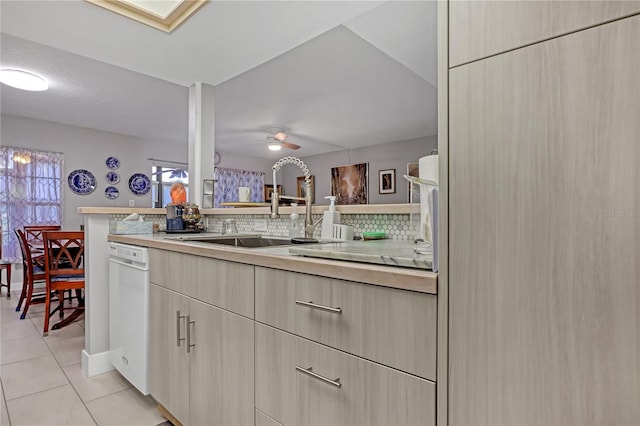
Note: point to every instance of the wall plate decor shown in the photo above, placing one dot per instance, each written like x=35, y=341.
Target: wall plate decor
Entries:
x=81, y=181
x=349, y=183
x=112, y=178
x=111, y=192
x=139, y=183
x=112, y=163
x=216, y=158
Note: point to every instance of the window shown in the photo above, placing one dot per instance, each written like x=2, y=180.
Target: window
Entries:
x=30, y=192
x=163, y=175
x=229, y=180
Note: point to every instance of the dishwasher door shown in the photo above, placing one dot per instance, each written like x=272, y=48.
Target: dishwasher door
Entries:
x=129, y=313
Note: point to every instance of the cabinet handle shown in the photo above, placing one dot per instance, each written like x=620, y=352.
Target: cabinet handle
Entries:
x=178, y=317
x=188, y=324
x=309, y=372
x=322, y=308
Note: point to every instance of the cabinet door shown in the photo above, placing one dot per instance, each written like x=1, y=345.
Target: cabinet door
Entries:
x=369, y=394
x=276, y=374
x=482, y=28
x=228, y=285
x=544, y=219
x=221, y=367
x=168, y=362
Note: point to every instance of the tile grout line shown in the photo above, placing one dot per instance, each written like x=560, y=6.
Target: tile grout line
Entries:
x=66, y=376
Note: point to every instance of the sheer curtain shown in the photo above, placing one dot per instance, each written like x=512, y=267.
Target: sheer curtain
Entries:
x=229, y=180
x=30, y=192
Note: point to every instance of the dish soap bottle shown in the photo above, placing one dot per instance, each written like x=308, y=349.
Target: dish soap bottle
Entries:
x=329, y=218
x=294, y=222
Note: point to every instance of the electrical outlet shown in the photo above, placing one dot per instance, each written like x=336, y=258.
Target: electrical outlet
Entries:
x=132, y=203
x=260, y=225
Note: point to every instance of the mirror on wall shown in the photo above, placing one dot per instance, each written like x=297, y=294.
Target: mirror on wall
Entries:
x=363, y=92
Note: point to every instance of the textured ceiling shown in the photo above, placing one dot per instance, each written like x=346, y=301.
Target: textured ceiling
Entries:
x=334, y=74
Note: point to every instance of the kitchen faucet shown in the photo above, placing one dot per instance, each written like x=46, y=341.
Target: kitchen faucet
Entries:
x=275, y=197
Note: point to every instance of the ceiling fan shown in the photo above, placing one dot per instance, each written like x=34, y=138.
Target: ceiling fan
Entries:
x=276, y=140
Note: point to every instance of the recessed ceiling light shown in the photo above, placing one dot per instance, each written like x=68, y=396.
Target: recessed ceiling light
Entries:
x=275, y=146
x=23, y=80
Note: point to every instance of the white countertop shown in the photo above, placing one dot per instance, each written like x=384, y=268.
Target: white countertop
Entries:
x=279, y=257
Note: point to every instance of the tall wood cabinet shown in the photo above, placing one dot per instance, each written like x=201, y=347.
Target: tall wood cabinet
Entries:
x=202, y=368
x=544, y=229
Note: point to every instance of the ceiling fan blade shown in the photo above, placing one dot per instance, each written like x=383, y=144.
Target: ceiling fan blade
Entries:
x=290, y=145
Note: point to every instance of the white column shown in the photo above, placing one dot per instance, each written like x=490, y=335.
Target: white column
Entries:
x=201, y=138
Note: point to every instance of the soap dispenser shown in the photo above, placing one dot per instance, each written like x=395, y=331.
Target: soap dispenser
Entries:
x=330, y=218
x=294, y=222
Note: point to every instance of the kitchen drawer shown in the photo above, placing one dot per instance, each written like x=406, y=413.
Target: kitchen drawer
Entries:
x=390, y=326
x=368, y=393
x=224, y=284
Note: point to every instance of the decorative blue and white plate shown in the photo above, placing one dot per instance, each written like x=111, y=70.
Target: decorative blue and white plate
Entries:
x=81, y=182
x=111, y=192
x=112, y=163
x=112, y=178
x=139, y=183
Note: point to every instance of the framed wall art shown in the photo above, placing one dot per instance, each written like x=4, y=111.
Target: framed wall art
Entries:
x=302, y=190
x=349, y=184
x=387, y=181
x=268, y=190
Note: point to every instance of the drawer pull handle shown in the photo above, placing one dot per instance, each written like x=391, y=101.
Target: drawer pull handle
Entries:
x=188, y=323
x=178, y=317
x=309, y=372
x=322, y=308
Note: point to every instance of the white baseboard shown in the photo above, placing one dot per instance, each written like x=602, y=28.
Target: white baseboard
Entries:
x=95, y=364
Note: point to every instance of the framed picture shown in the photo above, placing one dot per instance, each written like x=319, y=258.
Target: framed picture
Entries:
x=349, y=184
x=268, y=190
x=302, y=190
x=412, y=170
x=387, y=181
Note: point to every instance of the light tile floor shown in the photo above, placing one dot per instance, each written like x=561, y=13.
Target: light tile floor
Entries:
x=42, y=382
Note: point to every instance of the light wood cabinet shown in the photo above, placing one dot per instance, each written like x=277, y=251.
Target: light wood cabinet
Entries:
x=544, y=228
x=169, y=362
x=478, y=29
x=221, y=367
x=342, y=389
x=202, y=367
x=385, y=325
x=228, y=285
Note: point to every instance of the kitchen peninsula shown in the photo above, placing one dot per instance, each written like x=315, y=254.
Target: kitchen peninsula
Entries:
x=386, y=324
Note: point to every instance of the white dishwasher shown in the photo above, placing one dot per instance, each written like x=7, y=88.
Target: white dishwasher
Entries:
x=129, y=313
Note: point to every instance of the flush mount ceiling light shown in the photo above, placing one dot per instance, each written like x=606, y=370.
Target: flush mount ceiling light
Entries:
x=275, y=145
x=165, y=15
x=23, y=80
x=276, y=140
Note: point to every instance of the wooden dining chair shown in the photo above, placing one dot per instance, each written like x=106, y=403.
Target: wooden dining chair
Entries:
x=5, y=265
x=35, y=241
x=32, y=273
x=64, y=270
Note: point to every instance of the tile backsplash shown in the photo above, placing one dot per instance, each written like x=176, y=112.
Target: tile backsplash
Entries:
x=396, y=226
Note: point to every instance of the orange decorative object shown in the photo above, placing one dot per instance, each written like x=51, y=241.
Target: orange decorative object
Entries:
x=178, y=194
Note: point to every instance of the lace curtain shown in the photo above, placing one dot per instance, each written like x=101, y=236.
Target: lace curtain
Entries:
x=229, y=180
x=30, y=193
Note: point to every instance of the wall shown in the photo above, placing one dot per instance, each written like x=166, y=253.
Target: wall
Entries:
x=88, y=149
x=392, y=155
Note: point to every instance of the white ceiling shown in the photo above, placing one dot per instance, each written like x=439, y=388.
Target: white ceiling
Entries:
x=332, y=73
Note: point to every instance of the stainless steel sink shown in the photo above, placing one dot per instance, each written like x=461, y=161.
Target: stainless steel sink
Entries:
x=246, y=241
x=249, y=242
